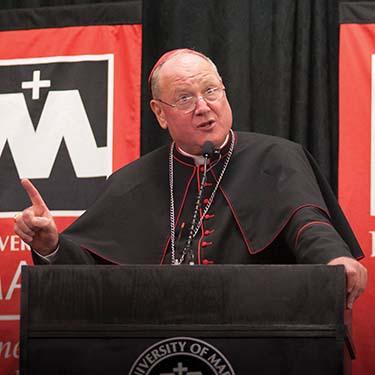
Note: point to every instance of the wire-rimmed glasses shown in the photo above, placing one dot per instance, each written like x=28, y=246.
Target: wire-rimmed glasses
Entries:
x=187, y=103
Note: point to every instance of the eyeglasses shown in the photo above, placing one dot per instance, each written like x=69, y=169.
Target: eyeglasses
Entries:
x=188, y=103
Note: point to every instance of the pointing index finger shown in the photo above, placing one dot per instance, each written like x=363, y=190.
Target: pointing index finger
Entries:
x=33, y=193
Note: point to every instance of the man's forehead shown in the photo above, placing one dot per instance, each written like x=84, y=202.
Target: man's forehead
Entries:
x=187, y=66
x=166, y=56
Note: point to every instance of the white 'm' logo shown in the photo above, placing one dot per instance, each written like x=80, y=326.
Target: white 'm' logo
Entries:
x=63, y=117
x=34, y=151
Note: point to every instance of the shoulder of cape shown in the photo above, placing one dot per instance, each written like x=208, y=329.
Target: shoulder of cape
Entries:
x=141, y=170
x=125, y=184
x=272, y=152
x=250, y=139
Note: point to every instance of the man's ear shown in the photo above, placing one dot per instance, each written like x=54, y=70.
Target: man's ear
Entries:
x=157, y=108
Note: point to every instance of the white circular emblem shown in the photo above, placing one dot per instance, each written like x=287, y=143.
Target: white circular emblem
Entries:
x=181, y=356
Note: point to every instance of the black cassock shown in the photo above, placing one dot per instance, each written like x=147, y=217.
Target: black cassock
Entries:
x=272, y=206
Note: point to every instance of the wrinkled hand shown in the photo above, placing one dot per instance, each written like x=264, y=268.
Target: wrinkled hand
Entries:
x=35, y=224
x=356, y=277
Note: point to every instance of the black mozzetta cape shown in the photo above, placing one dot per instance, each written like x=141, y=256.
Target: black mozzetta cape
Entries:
x=267, y=181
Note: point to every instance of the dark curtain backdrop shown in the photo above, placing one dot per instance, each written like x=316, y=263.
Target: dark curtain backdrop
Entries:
x=278, y=59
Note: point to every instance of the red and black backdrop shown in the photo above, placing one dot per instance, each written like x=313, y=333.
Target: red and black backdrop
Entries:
x=357, y=155
x=70, y=82
x=280, y=63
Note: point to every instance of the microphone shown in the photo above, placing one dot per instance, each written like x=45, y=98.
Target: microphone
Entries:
x=210, y=152
x=208, y=149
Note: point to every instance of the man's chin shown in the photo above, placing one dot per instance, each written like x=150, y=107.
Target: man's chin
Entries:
x=218, y=139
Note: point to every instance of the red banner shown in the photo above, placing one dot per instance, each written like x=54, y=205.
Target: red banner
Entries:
x=70, y=115
x=357, y=162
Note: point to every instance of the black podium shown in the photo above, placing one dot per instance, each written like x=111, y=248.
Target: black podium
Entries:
x=183, y=320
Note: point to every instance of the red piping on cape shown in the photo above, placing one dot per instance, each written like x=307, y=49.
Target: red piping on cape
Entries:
x=289, y=218
x=99, y=255
x=178, y=216
x=300, y=230
x=244, y=237
x=247, y=242
x=183, y=162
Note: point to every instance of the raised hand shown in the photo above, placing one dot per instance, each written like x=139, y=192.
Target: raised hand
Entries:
x=35, y=224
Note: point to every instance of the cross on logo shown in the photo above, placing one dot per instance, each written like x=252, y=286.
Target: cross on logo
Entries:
x=181, y=370
x=36, y=84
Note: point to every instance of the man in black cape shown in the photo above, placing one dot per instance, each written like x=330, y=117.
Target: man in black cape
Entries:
x=211, y=197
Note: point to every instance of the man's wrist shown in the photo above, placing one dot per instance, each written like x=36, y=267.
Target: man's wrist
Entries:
x=47, y=257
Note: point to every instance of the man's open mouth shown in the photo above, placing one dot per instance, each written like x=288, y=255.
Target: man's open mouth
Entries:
x=206, y=124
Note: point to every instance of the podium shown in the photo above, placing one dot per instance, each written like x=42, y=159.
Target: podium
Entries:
x=185, y=320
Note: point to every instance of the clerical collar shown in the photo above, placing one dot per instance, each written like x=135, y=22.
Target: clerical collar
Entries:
x=199, y=159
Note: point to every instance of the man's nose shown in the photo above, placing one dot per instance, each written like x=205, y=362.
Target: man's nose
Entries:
x=201, y=105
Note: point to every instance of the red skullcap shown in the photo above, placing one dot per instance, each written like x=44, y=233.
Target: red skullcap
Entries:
x=166, y=56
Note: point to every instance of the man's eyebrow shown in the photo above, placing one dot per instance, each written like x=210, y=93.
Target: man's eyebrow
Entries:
x=207, y=81
x=178, y=93
x=180, y=89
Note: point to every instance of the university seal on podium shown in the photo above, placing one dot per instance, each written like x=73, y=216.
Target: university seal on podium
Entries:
x=181, y=356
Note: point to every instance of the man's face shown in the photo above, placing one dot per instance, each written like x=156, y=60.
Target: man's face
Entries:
x=191, y=75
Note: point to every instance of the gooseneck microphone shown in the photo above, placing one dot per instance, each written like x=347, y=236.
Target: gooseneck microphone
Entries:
x=208, y=149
